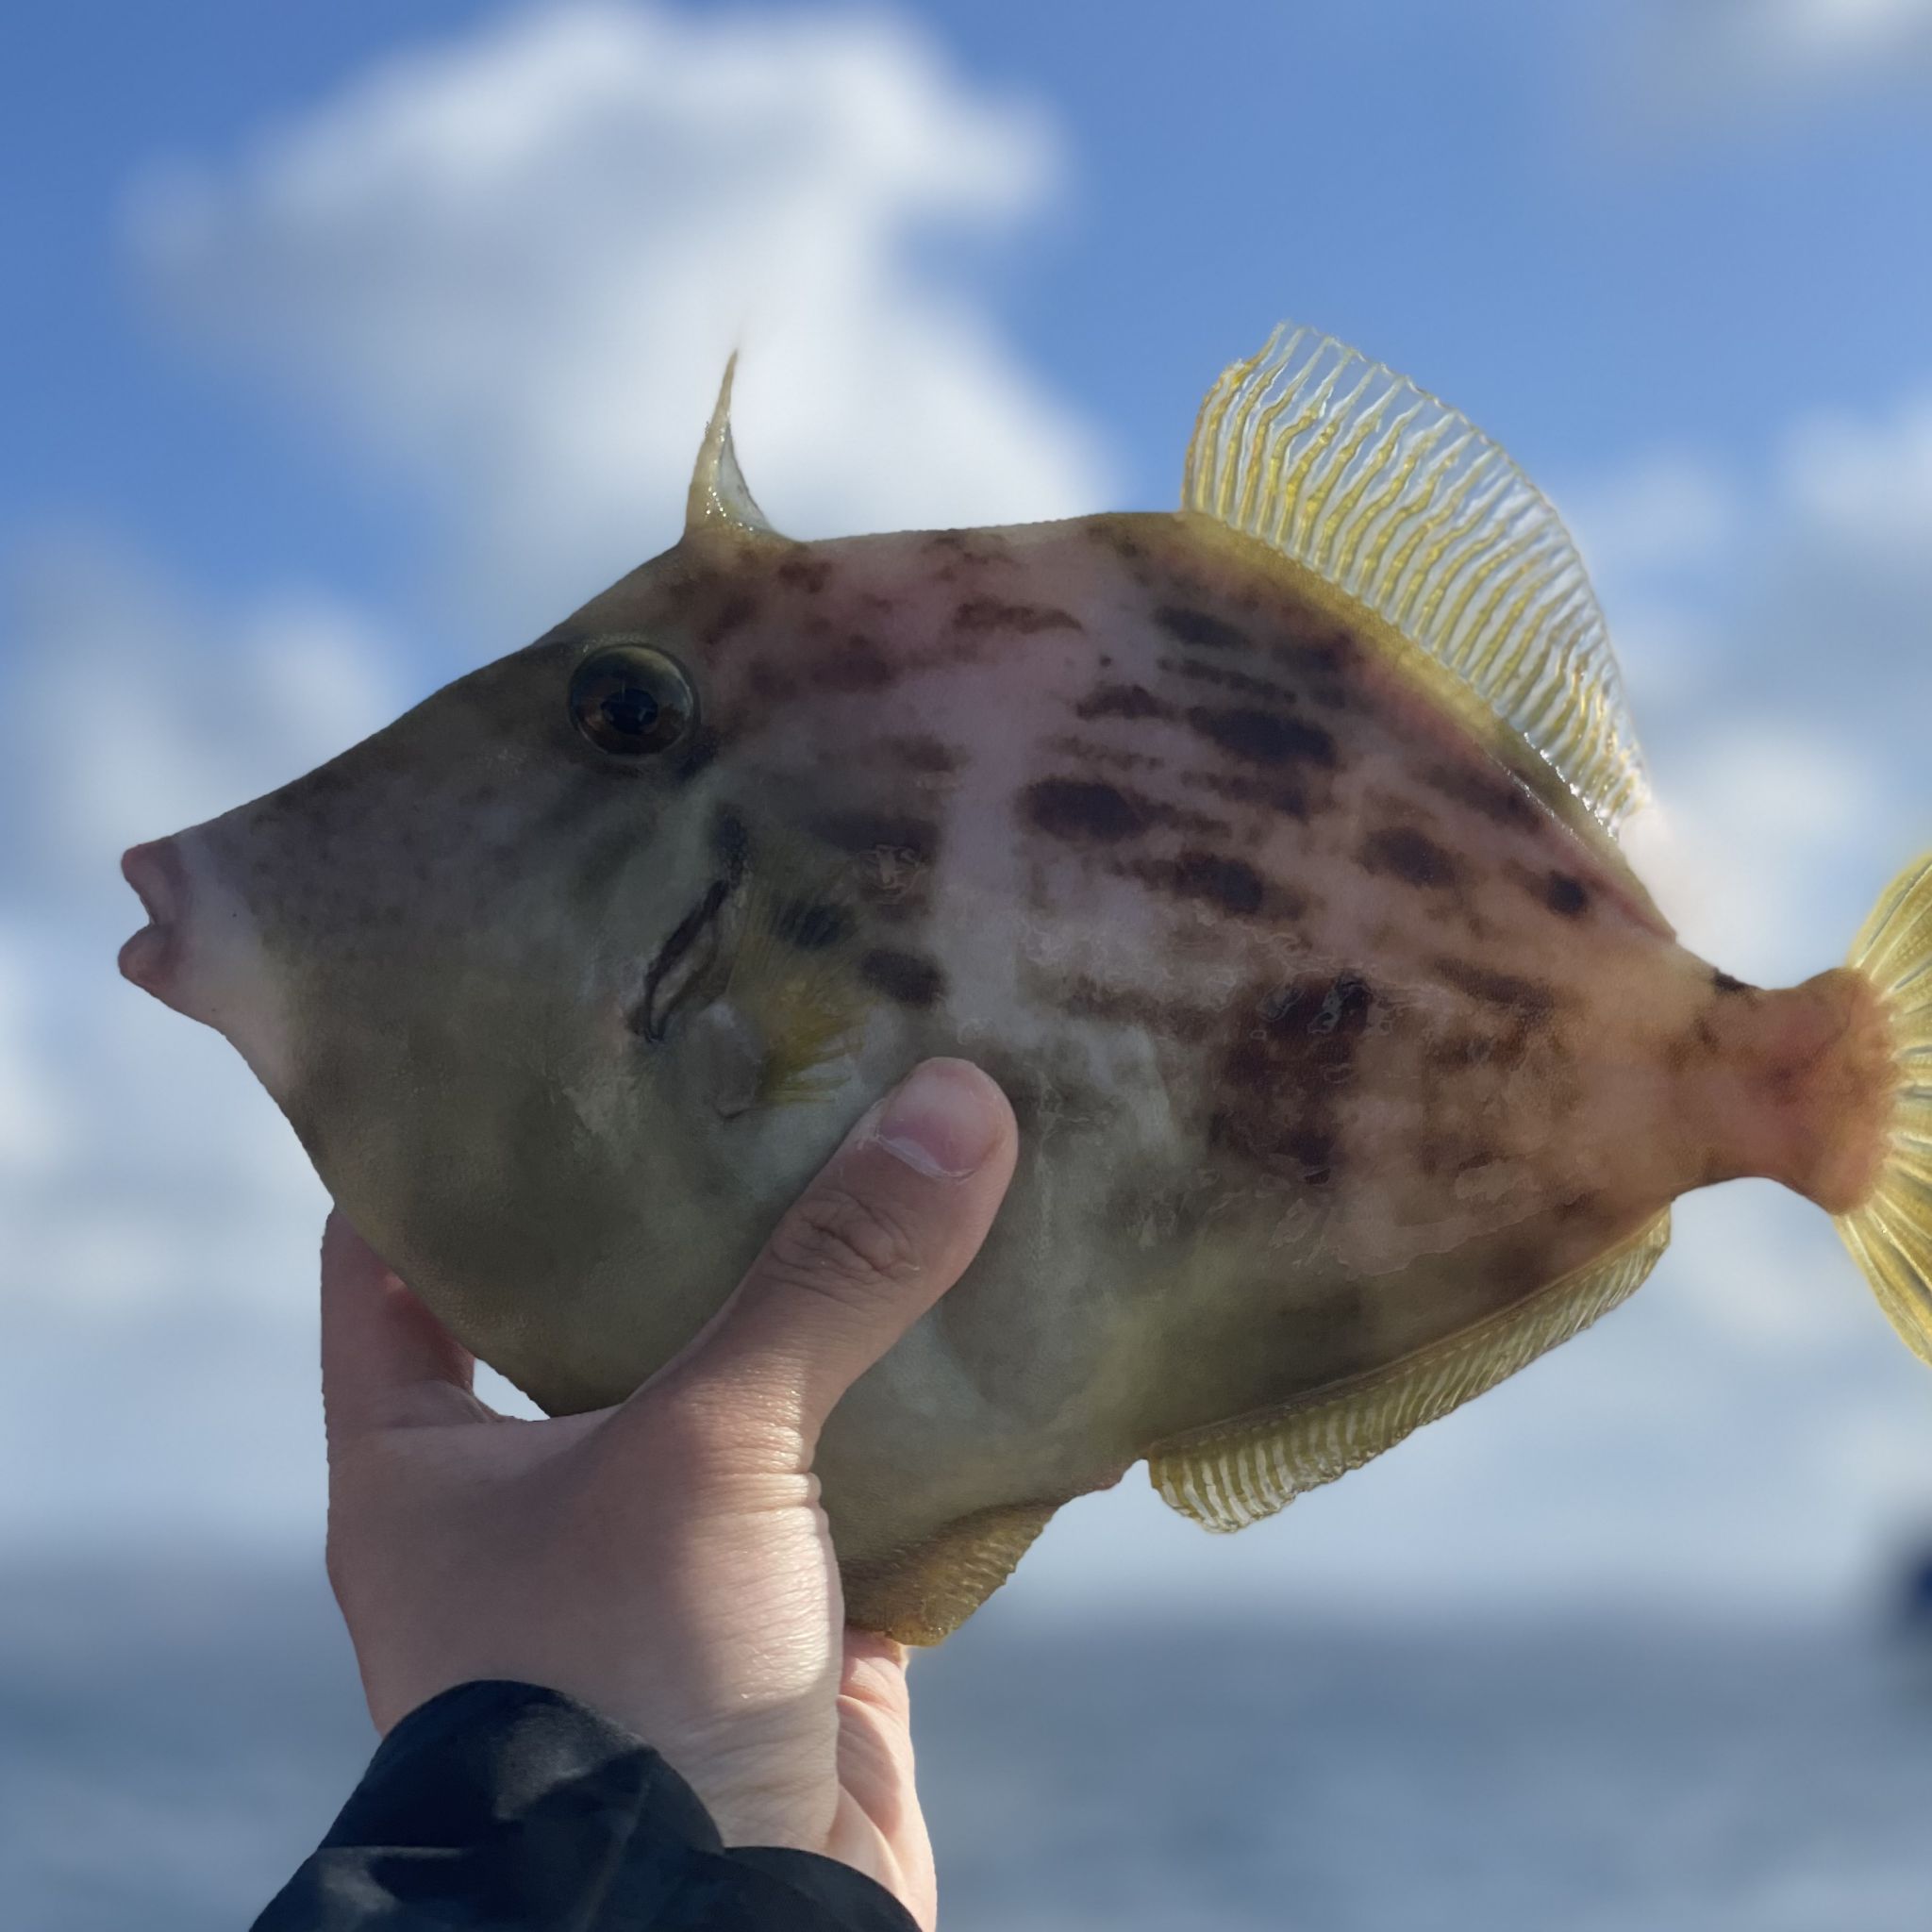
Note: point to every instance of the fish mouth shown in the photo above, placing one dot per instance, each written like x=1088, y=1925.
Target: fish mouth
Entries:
x=688, y=960
x=150, y=957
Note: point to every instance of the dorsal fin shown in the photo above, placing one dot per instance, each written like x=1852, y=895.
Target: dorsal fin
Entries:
x=718, y=490
x=1387, y=493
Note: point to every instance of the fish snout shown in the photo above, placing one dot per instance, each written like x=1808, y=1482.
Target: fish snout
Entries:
x=201, y=950
x=151, y=957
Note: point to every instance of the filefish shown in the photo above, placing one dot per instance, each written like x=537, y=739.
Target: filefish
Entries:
x=1264, y=851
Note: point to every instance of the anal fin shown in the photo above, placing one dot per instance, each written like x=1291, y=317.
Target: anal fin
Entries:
x=1237, y=1472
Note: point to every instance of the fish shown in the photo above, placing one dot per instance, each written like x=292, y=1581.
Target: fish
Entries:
x=1265, y=851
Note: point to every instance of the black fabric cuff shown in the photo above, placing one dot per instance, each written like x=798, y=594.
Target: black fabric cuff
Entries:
x=506, y=1805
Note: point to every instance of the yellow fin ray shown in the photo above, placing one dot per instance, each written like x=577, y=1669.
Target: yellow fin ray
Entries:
x=1383, y=490
x=922, y=1593
x=1890, y=1232
x=1238, y=1471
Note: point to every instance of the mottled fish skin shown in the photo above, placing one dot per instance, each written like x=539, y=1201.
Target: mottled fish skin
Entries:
x=1327, y=1035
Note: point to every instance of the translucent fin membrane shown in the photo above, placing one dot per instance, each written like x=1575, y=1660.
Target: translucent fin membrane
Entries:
x=1390, y=494
x=923, y=1593
x=1891, y=1233
x=1228, y=1477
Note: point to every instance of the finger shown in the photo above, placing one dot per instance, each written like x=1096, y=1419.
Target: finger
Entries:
x=890, y=1223
x=385, y=1357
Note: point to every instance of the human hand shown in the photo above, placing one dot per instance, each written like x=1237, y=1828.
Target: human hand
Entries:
x=666, y=1561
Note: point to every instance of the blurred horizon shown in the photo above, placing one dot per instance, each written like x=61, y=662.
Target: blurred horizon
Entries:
x=354, y=348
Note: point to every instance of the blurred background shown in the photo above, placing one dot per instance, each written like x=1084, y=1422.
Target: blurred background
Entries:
x=349, y=346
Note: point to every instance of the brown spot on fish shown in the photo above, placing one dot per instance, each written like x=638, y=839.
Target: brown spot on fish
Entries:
x=1530, y=997
x=1121, y=700
x=1115, y=536
x=1458, y=1051
x=915, y=839
x=1281, y=796
x=1433, y=1154
x=1314, y=641
x=769, y=682
x=735, y=611
x=971, y=547
x=1084, y=809
x=1564, y=894
x=1318, y=1009
x=1494, y=793
x=1292, y=1048
x=920, y=752
x=1092, y=751
x=1230, y=883
x=1314, y=1148
x=812, y=925
x=990, y=613
x=1201, y=629
x=1323, y=661
x=1685, y=1049
x=1408, y=855
x=1083, y=998
x=1225, y=680
x=1263, y=738
x=807, y=573
x=909, y=978
x=861, y=666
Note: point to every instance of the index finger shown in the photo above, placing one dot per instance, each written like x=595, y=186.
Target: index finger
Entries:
x=385, y=1357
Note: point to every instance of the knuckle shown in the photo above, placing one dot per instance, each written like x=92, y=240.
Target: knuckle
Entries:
x=835, y=1243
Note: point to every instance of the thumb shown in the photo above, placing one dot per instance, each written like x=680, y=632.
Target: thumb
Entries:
x=890, y=1223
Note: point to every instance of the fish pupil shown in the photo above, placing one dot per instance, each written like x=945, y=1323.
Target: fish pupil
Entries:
x=631, y=712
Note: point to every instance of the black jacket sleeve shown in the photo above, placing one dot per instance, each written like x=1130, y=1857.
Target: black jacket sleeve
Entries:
x=503, y=1808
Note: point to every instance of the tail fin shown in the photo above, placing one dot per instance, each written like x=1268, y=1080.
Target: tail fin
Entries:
x=1890, y=1232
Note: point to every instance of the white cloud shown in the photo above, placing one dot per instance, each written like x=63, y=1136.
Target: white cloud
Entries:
x=1867, y=487
x=1699, y=62
x=517, y=261
x=1673, y=508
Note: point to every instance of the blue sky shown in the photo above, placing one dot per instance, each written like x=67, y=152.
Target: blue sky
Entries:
x=351, y=345
x=1461, y=188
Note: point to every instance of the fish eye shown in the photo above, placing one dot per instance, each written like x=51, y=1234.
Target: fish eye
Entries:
x=631, y=700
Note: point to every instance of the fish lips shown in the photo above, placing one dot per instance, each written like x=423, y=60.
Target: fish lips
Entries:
x=688, y=962
x=149, y=958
